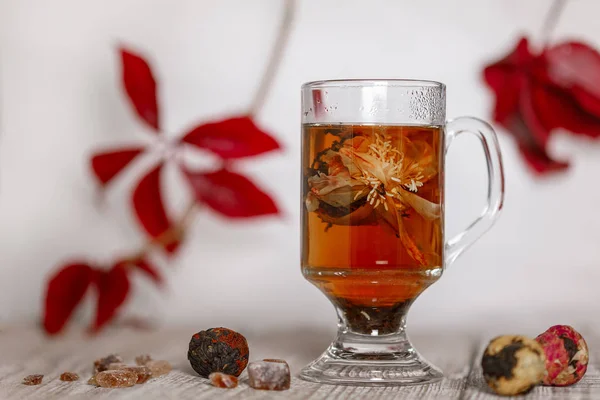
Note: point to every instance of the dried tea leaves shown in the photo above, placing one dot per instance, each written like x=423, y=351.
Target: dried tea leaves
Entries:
x=32, y=380
x=218, y=350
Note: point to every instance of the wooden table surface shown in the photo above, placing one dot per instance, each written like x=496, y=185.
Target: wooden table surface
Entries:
x=25, y=351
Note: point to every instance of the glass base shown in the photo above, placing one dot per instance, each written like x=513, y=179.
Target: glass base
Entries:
x=367, y=360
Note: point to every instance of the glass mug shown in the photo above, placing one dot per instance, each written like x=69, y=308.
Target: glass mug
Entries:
x=373, y=217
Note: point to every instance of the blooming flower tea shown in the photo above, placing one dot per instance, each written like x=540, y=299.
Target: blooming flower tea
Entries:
x=372, y=199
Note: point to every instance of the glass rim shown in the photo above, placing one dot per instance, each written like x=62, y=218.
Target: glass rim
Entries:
x=356, y=83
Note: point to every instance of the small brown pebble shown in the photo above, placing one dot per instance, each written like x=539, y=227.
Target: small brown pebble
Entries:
x=143, y=359
x=92, y=381
x=224, y=381
x=33, y=380
x=116, y=366
x=269, y=375
x=69, y=377
x=116, y=378
x=159, y=367
x=143, y=372
x=218, y=350
x=275, y=360
x=103, y=363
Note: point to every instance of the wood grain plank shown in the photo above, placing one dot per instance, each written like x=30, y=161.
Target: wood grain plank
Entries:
x=25, y=351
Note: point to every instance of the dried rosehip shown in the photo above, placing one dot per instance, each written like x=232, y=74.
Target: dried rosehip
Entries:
x=513, y=364
x=218, y=350
x=116, y=378
x=69, y=377
x=224, y=381
x=566, y=355
x=31, y=380
x=269, y=375
x=103, y=363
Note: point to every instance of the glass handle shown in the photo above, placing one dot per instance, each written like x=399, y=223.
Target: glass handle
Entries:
x=495, y=193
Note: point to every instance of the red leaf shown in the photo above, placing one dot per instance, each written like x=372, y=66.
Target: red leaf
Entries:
x=230, y=194
x=108, y=164
x=150, y=270
x=537, y=94
x=575, y=67
x=140, y=85
x=506, y=78
x=65, y=290
x=113, y=288
x=149, y=207
x=557, y=109
x=231, y=138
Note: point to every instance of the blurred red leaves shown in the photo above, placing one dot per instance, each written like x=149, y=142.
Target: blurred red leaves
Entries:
x=65, y=290
x=230, y=194
x=150, y=270
x=107, y=165
x=149, y=207
x=225, y=192
x=140, y=85
x=539, y=93
x=113, y=288
x=231, y=138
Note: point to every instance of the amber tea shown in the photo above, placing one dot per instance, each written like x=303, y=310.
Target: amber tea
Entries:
x=372, y=207
x=373, y=217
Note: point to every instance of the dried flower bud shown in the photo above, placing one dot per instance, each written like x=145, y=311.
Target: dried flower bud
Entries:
x=218, y=350
x=566, y=355
x=513, y=364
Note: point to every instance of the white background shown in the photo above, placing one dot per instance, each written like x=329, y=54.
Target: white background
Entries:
x=61, y=99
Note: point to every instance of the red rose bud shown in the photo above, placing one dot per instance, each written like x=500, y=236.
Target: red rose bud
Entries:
x=566, y=355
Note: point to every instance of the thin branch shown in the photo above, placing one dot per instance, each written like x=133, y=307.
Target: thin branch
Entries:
x=171, y=235
x=551, y=20
x=176, y=232
x=283, y=34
